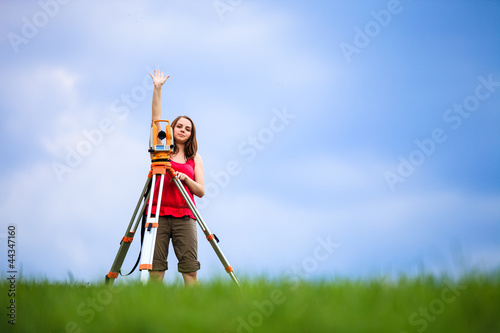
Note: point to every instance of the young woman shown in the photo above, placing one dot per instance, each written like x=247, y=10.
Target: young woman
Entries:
x=176, y=220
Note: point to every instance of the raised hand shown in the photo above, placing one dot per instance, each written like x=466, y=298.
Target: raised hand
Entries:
x=159, y=79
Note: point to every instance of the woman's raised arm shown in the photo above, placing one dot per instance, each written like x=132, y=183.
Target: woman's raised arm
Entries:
x=158, y=80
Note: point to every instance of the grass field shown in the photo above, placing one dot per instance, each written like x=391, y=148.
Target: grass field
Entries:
x=423, y=304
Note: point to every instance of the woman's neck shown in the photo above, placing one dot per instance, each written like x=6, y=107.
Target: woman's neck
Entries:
x=179, y=155
x=180, y=148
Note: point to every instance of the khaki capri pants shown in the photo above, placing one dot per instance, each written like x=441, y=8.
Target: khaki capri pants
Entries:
x=182, y=231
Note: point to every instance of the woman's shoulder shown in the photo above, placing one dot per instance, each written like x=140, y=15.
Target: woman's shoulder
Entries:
x=197, y=159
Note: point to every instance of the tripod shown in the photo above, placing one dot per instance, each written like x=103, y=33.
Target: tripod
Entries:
x=160, y=166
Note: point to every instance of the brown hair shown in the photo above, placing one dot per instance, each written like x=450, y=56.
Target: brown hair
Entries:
x=191, y=145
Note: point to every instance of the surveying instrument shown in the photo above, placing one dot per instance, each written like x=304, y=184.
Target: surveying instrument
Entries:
x=161, y=146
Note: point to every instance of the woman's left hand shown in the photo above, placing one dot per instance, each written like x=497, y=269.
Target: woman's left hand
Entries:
x=181, y=176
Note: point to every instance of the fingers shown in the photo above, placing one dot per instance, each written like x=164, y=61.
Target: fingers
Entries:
x=181, y=176
x=154, y=76
x=159, y=75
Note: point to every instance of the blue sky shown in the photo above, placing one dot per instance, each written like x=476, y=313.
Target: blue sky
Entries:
x=340, y=138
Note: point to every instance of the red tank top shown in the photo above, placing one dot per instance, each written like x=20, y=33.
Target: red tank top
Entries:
x=172, y=202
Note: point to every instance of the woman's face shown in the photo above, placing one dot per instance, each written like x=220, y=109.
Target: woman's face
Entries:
x=182, y=130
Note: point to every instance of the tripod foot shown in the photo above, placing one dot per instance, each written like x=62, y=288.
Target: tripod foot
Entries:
x=144, y=276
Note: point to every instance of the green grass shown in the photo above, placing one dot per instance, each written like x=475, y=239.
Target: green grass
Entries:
x=423, y=304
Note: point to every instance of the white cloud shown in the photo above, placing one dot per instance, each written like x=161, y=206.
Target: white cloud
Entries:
x=41, y=100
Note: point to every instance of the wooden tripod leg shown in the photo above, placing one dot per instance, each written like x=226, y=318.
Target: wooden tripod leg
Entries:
x=127, y=239
x=210, y=237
